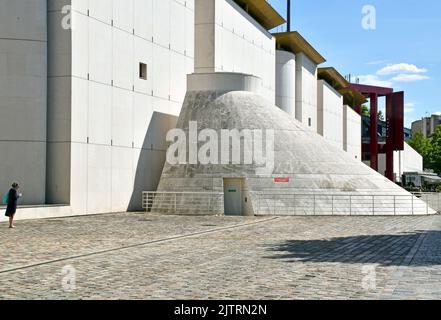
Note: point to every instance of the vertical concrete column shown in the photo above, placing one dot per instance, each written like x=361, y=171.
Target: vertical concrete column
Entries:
x=390, y=139
x=286, y=81
x=374, y=137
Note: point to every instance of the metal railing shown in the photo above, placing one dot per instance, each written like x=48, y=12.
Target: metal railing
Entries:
x=432, y=199
x=289, y=203
x=339, y=204
x=191, y=203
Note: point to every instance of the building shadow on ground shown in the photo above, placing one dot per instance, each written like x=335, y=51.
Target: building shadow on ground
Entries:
x=385, y=250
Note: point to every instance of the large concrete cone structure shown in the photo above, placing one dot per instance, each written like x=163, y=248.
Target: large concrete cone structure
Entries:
x=309, y=176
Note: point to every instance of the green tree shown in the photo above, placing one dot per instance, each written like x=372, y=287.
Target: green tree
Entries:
x=423, y=146
x=380, y=115
x=429, y=148
x=365, y=110
x=434, y=156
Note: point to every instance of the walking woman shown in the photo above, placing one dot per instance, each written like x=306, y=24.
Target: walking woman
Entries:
x=13, y=197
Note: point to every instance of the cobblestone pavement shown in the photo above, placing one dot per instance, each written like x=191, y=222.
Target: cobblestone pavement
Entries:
x=134, y=256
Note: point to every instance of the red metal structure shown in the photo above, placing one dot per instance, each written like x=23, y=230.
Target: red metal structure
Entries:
x=395, y=125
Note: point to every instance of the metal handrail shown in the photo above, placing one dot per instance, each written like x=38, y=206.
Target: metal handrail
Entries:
x=169, y=202
x=291, y=203
x=433, y=199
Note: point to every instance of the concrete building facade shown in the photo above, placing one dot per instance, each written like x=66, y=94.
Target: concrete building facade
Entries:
x=230, y=40
x=23, y=96
x=117, y=80
x=427, y=126
x=97, y=85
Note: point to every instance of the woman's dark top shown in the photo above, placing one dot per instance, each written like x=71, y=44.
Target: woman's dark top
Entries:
x=12, y=202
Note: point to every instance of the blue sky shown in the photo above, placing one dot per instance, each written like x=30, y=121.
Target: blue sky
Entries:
x=404, y=51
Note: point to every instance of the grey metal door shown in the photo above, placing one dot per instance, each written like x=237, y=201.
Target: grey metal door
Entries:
x=233, y=197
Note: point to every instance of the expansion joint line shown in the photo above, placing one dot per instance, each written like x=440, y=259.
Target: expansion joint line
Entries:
x=138, y=245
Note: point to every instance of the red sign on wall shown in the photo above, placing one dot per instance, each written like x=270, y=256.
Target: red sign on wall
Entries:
x=281, y=180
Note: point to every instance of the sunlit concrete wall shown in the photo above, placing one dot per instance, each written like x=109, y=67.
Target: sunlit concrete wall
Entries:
x=352, y=132
x=408, y=160
x=306, y=91
x=229, y=40
x=108, y=141
x=23, y=99
x=330, y=114
x=286, y=81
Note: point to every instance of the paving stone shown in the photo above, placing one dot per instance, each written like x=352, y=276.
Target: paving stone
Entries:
x=133, y=256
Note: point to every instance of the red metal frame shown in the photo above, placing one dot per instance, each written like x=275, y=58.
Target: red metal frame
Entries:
x=394, y=120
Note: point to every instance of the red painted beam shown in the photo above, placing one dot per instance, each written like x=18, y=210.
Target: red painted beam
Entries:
x=390, y=139
x=374, y=132
x=368, y=90
x=398, y=120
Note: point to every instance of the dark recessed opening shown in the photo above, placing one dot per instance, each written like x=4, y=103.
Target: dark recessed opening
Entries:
x=142, y=71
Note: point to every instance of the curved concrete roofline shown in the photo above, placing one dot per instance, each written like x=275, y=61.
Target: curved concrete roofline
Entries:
x=224, y=81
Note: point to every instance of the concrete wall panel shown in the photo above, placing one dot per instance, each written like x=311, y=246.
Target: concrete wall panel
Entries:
x=143, y=18
x=330, y=114
x=306, y=91
x=177, y=27
x=161, y=22
x=80, y=110
x=58, y=178
x=142, y=116
x=100, y=51
x=80, y=41
x=161, y=70
x=122, y=118
x=123, y=15
x=99, y=178
x=122, y=179
x=23, y=97
x=101, y=10
x=352, y=132
x=122, y=59
x=100, y=115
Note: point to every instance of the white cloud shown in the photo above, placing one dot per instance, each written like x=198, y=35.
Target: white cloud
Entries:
x=400, y=68
x=409, y=77
x=373, y=63
x=409, y=107
x=374, y=80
